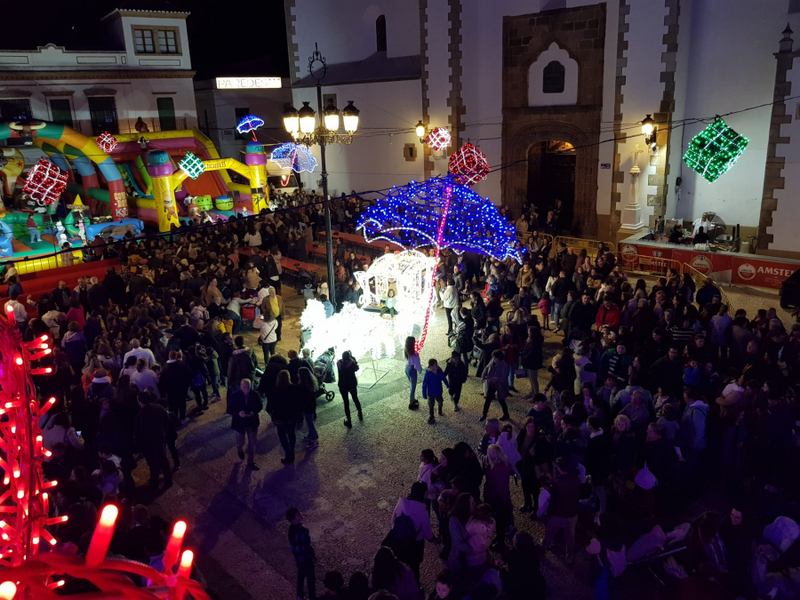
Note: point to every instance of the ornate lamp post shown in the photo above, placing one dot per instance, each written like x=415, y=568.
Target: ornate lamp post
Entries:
x=302, y=125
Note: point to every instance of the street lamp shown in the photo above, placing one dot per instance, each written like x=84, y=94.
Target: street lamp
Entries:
x=649, y=131
x=302, y=125
x=420, y=131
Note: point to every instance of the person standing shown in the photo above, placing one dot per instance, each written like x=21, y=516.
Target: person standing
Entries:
x=411, y=522
x=495, y=382
x=244, y=404
x=36, y=236
x=348, y=385
x=563, y=508
x=432, y=388
x=303, y=552
x=268, y=336
x=307, y=395
x=174, y=383
x=287, y=411
x=413, y=368
x=456, y=373
x=530, y=358
x=450, y=302
x=150, y=437
x=241, y=364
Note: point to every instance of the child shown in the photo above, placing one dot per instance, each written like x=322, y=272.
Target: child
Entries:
x=308, y=292
x=544, y=308
x=445, y=582
x=427, y=464
x=108, y=478
x=456, y=372
x=432, y=388
x=334, y=586
x=300, y=544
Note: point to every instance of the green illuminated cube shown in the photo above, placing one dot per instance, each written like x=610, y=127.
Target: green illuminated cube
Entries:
x=714, y=150
x=192, y=166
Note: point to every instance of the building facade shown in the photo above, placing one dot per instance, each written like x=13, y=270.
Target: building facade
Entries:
x=554, y=92
x=220, y=108
x=145, y=73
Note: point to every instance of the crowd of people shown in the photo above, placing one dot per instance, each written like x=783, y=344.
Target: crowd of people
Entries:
x=655, y=395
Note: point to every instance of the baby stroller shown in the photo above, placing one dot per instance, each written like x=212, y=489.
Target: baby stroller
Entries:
x=304, y=277
x=323, y=371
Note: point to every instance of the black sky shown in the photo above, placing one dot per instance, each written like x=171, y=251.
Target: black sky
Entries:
x=220, y=40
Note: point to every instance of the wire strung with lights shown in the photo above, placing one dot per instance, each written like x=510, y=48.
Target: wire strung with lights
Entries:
x=715, y=150
x=294, y=156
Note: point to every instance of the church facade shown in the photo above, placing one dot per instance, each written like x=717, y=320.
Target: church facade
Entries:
x=554, y=92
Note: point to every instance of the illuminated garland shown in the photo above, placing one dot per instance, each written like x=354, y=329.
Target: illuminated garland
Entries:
x=192, y=166
x=469, y=165
x=438, y=139
x=106, y=142
x=714, y=150
x=45, y=182
x=249, y=123
x=294, y=156
x=410, y=216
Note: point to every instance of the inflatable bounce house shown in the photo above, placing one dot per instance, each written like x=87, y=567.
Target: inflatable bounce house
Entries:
x=112, y=184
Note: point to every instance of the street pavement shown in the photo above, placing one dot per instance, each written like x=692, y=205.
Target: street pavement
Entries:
x=347, y=488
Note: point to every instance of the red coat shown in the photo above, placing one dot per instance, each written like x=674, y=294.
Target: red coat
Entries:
x=608, y=316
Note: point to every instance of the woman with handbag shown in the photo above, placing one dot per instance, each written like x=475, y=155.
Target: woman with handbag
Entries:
x=348, y=385
x=268, y=338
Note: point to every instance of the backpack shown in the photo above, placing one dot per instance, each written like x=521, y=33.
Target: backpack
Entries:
x=402, y=534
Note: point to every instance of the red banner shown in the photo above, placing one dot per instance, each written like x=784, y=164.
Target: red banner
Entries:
x=761, y=273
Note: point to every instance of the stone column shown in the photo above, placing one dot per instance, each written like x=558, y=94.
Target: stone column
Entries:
x=631, y=214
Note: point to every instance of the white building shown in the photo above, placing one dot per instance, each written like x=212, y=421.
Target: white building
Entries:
x=222, y=104
x=146, y=72
x=555, y=92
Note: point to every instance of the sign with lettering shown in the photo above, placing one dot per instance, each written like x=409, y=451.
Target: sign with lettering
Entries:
x=248, y=83
x=762, y=273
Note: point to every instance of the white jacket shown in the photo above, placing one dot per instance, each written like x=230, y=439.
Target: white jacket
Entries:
x=450, y=297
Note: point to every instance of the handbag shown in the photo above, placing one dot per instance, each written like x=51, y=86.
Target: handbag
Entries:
x=645, y=478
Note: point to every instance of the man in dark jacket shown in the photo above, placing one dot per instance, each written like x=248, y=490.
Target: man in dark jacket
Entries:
x=598, y=459
x=559, y=291
x=582, y=314
x=242, y=363
x=667, y=372
x=294, y=366
x=115, y=286
x=150, y=436
x=61, y=296
x=659, y=455
x=98, y=296
x=456, y=373
x=244, y=404
x=174, y=384
x=563, y=509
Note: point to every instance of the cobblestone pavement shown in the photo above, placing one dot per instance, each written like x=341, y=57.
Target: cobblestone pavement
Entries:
x=347, y=488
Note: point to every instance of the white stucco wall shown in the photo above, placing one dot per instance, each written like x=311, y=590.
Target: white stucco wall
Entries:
x=786, y=219
x=375, y=158
x=731, y=66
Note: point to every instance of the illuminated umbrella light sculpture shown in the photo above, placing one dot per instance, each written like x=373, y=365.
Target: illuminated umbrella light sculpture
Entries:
x=441, y=213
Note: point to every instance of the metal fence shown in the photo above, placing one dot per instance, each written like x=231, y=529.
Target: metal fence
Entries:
x=700, y=279
x=649, y=265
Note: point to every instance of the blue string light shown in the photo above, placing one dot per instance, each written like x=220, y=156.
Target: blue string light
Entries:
x=249, y=123
x=409, y=216
x=294, y=156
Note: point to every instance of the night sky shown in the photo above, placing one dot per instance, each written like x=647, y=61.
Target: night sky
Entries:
x=249, y=39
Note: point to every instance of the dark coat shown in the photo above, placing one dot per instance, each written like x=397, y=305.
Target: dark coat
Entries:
x=175, y=381
x=251, y=404
x=285, y=405
x=347, y=374
x=150, y=429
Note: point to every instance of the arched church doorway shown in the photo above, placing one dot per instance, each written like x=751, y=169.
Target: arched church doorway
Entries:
x=551, y=177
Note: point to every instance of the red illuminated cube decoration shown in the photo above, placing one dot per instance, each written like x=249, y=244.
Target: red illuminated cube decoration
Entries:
x=106, y=142
x=45, y=182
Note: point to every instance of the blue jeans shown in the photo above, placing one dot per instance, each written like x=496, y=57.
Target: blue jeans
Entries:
x=556, y=313
x=312, y=431
x=411, y=373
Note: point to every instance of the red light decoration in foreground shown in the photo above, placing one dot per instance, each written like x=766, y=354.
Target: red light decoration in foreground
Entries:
x=45, y=182
x=469, y=165
x=24, y=504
